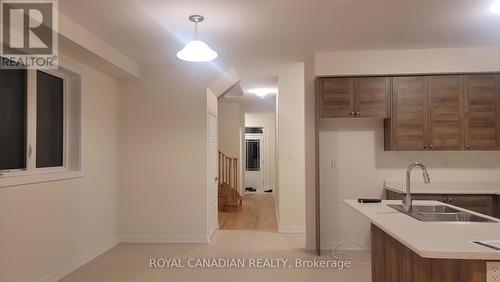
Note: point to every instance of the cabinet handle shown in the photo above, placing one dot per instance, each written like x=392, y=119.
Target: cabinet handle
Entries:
x=467, y=146
x=431, y=147
x=425, y=146
x=358, y=113
x=352, y=113
x=450, y=200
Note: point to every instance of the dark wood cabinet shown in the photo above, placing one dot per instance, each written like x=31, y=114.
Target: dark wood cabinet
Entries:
x=336, y=97
x=485, y=204
x=392, y=261
x=372, y=97
x=445, y=108
x=444, y=112
x=408, y=124
x=391, y=195
x=478, y=203
x=482, y=117
x=496, y=206
x=363, y=97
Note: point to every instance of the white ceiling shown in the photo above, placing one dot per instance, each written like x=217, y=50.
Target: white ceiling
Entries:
x=279, y=31
x=251, y=102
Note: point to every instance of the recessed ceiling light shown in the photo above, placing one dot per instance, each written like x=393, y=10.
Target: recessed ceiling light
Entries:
x=263, y=92
x=495, y=7
x=197, y=50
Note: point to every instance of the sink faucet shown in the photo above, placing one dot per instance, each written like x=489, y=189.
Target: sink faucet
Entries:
x=407, y=195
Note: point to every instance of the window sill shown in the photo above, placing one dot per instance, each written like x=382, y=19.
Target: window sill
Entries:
x=8, y=181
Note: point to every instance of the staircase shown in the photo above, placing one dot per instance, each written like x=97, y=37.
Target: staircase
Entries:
x=229, y=198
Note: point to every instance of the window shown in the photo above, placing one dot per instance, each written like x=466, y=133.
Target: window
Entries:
x=253, y=154
x=254, y=130
x=39, y=125
x=13, y=105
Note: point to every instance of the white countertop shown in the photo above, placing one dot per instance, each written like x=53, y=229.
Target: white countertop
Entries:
x=446, y=188
x=445, y=240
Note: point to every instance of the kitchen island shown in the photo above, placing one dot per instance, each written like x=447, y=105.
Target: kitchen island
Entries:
x=406, y=249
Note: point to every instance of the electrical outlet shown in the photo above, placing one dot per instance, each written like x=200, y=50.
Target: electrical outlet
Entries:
x=493, y=271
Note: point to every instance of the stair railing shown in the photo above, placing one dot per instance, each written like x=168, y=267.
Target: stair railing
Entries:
x=228, y=170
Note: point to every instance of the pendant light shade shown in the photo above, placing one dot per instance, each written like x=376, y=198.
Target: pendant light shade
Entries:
x=197, y=50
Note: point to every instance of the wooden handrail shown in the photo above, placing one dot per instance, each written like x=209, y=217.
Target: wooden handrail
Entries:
x=228, y=170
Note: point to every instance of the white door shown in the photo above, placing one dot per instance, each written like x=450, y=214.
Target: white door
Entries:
x=212, y=174
x=254, y=167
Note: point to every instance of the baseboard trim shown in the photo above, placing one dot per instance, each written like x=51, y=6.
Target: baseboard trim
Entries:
x=290, y=229
x=80, y=261
x=310, y=246
x=163, y=239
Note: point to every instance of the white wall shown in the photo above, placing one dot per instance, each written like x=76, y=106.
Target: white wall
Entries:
x=268, y=122
x=407, y=61
x=352, y=160
x=231, y=132
x=163, y=155
x=229, y=128
x=291, y=148
x=49, y=228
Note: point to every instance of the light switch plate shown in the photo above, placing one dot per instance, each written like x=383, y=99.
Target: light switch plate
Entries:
x=493, y=271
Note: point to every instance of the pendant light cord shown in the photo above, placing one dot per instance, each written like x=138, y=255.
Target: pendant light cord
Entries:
x=196, y=30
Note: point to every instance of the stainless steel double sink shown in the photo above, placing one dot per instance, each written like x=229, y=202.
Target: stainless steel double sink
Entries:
x=440, y=213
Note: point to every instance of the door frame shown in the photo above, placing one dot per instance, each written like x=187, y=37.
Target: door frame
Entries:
x=210, y=205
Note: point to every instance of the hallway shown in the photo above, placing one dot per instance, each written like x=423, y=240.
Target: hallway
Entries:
x=258, y=211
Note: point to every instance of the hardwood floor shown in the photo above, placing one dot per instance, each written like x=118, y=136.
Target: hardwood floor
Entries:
x=258, y=212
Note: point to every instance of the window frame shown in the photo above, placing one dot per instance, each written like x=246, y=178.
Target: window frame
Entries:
x=71, y=168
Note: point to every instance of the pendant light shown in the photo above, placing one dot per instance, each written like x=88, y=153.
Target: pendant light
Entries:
x=196, y=50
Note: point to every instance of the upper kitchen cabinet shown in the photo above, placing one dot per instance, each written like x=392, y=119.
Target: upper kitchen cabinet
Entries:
x=445, y=107
x=482, y=116
x=344, y=97
x=372, y=97
x=336, y=97
x=407, y=128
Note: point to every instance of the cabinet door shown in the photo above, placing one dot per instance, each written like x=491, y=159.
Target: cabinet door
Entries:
x=478, y=203
x=409, y=113
x=372, y=97
x=391, y=195
x=481, y=112
x=496, y=207
x=428, y=197
x=445, y=101
x=336, y=97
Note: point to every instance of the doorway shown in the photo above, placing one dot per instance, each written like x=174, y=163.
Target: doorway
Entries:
x=255, y=154
x=247, y=136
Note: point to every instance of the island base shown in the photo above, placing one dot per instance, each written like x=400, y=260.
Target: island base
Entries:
x=394, y=262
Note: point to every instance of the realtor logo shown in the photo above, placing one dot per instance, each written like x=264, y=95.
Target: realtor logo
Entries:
x=29, y=34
